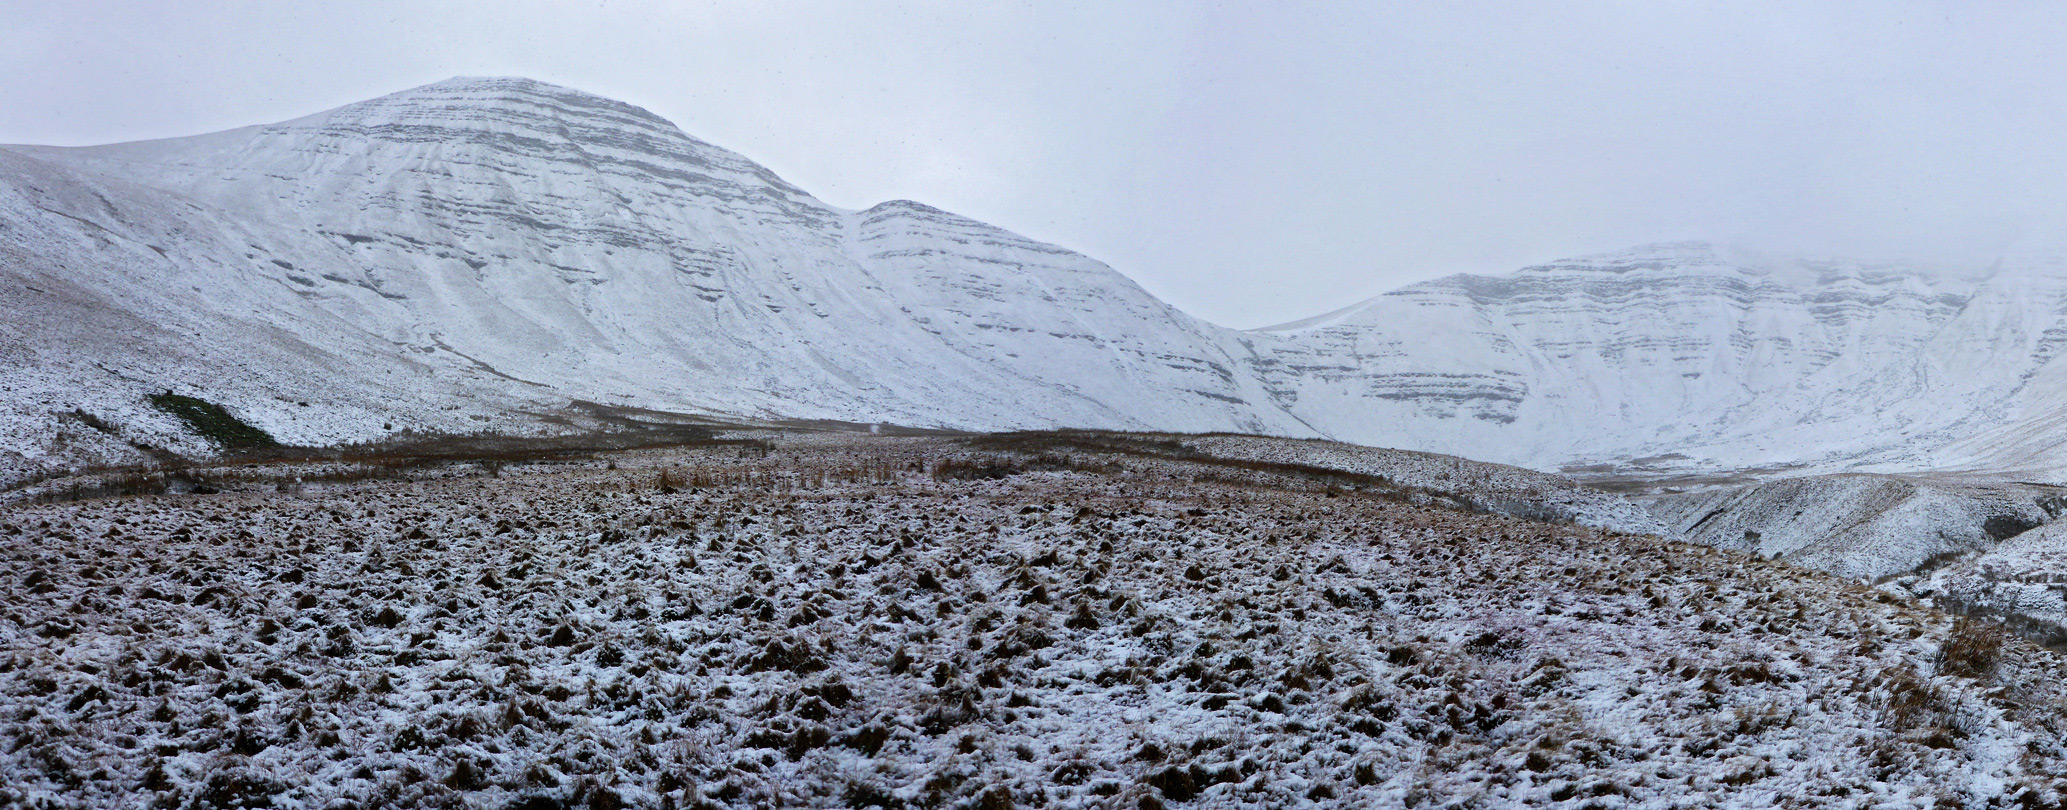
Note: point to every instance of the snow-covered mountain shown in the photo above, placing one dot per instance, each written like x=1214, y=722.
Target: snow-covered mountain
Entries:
x=477, y=252
x=1675, y=353
x=547, y=244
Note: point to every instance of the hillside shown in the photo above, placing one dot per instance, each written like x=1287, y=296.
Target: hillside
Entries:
x=562, y=246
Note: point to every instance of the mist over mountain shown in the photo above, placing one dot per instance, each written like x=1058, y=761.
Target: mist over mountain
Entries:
x=476, y=254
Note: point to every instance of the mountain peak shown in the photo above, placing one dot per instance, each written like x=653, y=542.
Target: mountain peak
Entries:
x=504, y=89
x=470, y=102
x=490, y=82
x=519, y=118
x=1654, y=256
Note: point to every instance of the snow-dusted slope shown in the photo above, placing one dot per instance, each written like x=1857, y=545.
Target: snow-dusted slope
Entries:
x=591, y=246
x=480, y=249
x=1861, y=526
x=563, y=245
x=570, y=636
x=2023, y=580
x=112, y=292
x=1677, y=351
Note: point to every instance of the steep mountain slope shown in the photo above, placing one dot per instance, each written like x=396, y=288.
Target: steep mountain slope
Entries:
x=591, y=246
x=559, y=242
x=477, y=252
x=1674, y=351
x=113, y=291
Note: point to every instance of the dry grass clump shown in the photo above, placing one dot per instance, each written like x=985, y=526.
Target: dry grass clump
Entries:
x=1973, y=648
x=995, y=466
x=404, y=456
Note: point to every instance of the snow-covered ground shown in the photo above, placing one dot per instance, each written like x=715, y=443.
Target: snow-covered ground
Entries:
x=1499, y=488
x=1862, y=526
x=2023, y=581
x=934, y=622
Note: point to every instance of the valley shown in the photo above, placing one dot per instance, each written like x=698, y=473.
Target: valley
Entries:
x=497, y=444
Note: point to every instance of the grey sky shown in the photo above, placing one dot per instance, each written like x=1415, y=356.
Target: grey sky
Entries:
x=1250, y=162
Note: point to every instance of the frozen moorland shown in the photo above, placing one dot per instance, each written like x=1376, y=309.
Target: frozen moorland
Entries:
x=1015, y=621
x=1497, y=488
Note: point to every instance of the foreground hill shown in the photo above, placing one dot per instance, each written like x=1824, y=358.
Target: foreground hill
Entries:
x=855, y=622
x=478, y=253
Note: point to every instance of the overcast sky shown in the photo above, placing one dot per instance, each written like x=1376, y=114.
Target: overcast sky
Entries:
x=1249, y=162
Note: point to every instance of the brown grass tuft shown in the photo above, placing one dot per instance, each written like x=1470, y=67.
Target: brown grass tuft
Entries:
x=1973, y=649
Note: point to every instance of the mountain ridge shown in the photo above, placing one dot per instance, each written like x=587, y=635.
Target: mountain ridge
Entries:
x=511, y=243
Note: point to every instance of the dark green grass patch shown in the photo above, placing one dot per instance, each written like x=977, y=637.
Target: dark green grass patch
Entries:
x=212, y=422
